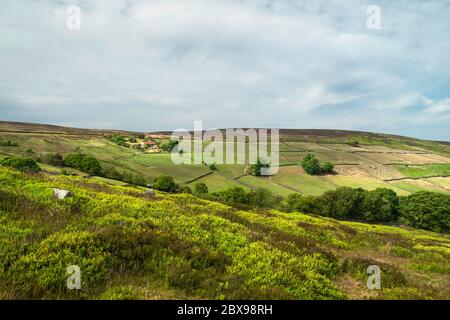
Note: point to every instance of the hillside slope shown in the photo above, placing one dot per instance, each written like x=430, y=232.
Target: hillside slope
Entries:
x=361, y=159
x=179, y=246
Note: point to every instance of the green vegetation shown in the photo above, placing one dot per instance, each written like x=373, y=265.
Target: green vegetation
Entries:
x=312, y=165
x=169, y=146
x=258, y=198
x=179, y=246
x=429, y=170
x=165, y=183
x=200, y=188
x=426, y=210
x=54, y=159
x=8, y=143
x=22, y=164
x=84, y=163
x=255, y=169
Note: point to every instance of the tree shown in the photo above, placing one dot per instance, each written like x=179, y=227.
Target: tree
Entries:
x=201, y=188
x=327, y=167
x=186, y=189
x=256, y=168
x=84, y=163
x=169, y=146
x=342, y=203
x=426, y=210
x=112, y=173
x=300, y=203
x=22, y=164
x=310, y=164
x=263, y=198
x=54, y=159
x=233, y=195
x=380, y=204
x=165, y=183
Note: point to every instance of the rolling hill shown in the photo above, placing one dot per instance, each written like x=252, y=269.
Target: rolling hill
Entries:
x=361, y=159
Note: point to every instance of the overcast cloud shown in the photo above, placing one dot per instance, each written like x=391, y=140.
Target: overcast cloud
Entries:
x=161, y=64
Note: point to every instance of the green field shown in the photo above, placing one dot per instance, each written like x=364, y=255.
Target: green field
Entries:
x=412, y=171
x=376, y=159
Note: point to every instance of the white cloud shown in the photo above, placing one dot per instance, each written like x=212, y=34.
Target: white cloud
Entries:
x=162, y=64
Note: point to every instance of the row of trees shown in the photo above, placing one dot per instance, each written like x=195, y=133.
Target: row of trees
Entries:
x=423, y=210
x=313, y=166
x=92, y=166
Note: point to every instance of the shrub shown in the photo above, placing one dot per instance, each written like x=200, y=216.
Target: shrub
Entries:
x=213, y=167
x=84, y=163
x=233, y=195
x=22, y=164
x=380, y=205
x=201, y=188
x=426, y=210
x=54, y=159
x=165, y=183
x=169, y=146
x=256, y=168
x=327, y=167
x=263, y=198
x=310, y=164
x=342, y=203
x=307, y=204
x=186, y=189
x=8, y=144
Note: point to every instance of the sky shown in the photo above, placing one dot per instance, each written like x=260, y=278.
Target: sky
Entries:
x=163, y=64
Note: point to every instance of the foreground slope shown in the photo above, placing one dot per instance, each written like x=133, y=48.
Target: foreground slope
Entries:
x=180, y=246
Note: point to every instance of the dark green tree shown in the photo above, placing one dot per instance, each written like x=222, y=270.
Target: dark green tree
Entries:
x=165, y=183
x=310, y=164
x=201, y=188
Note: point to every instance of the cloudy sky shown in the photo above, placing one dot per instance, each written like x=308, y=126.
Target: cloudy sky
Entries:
x=161, y=64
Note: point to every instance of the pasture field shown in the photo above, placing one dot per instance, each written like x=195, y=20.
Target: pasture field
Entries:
x=375, y=159
x=412, y=171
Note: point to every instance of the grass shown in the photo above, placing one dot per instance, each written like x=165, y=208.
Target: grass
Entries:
x=417, y=185
x=412, y=171
x=179, y=246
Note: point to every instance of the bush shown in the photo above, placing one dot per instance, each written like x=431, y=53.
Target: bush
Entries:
x=201, y=188
x=186, y=189
x=256, y=168
x=84, y=163
x=327, y=167
x=380, y=204
x=22, y=164
x=311, y=165
x=263, y=198
x=297, y=202
x=233, y=195
x=213, y=167
x=54, y=159
x=165, y=183
x=342, y=203
x=169, y=146
x=8, y=144
x=426, y=210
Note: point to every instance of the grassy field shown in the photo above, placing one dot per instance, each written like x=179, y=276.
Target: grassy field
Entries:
x=412, y=171
x=179, y=246
x=377, y=158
